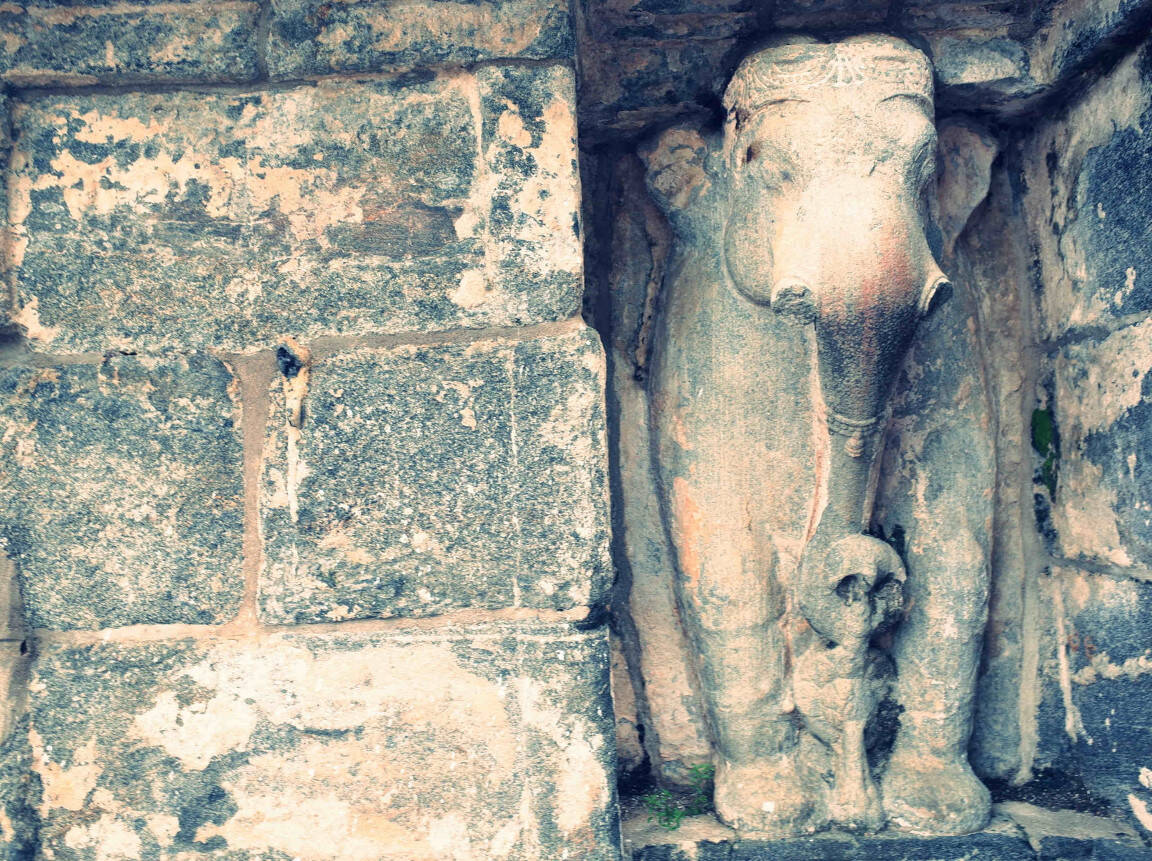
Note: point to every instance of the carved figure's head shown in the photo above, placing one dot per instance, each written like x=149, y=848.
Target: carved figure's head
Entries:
x=831, y=155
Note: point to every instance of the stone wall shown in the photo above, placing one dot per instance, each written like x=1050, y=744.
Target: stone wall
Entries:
x=1086, y=179
x=304, y=451
x=303, y=457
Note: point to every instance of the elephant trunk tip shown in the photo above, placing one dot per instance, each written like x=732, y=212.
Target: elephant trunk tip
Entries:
x=793, y=297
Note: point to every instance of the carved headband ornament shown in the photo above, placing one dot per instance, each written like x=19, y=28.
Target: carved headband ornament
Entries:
x=784, y=71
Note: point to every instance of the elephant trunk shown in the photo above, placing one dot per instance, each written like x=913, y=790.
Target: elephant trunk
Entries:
x=853, y=259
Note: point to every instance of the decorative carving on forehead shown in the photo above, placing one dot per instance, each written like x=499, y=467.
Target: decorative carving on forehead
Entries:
x=888, y=67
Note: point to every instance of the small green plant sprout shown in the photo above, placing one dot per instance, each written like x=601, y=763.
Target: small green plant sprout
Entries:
x=668, y=810
x=1046, y=443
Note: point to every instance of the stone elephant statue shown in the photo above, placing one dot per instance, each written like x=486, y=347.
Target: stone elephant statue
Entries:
x=819, y=443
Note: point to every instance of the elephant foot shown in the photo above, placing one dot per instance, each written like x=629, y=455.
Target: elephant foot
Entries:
x=932, y=794
x=765, y=797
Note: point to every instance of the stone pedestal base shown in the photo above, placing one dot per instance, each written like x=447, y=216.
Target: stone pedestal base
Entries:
x=1018, y=832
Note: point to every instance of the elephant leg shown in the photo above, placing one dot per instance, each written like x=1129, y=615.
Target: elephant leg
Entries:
x=733, y=611
x=936, y=489
x=929, y=786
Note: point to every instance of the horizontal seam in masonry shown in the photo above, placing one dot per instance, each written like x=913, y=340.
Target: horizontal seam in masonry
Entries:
x=259, y=85
x=325, y=345
x=460, y=619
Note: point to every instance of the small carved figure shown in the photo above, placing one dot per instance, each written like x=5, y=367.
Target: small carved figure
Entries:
x=802, y=267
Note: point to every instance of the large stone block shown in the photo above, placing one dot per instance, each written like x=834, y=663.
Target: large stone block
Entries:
x=50, y=43
x=975, y=67
x=1088, y=182
x=633, y=87
x=491, y=742
x=830, y=13
x=1102, y=411
x=426, y=479
x=226, y=219
x=1075, y=33
x=121, y=490
x=309, y=37
x=948, y=14
x=1107, y=650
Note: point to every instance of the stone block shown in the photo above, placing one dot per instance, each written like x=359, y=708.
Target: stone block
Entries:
x=427, y=479
x=490, y=742
x=1073, y=34
x=818, y=14
x=1060, y=834
x=18, y=817
x=62, y=44
x=310, y=37
x=1107, y=650
x=920, y=15
x=1088, y=181
x=1112, y=751
x=532, y=189
x=633, y=87
x=974, y=67
x=145, y=220
x=1102, y=412
x=121, y=490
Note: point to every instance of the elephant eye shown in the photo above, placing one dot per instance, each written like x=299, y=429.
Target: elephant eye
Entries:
x=751, y=154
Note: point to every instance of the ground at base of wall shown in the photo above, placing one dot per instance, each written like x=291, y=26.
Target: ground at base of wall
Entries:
x=1018, y=832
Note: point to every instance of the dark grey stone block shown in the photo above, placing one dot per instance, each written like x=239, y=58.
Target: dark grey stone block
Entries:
x=122, y=491
x=106, y=43
x=308, y=37
x=426, y=479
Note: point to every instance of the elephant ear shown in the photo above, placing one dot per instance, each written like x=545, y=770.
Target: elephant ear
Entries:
x=682, y=174
x=965, y=155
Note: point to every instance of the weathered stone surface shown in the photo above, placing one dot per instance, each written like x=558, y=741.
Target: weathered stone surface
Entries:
x=816, y=14
x=992, y=259
x=1069, y=835
x=308, y=37
x=1102, y=412
x=633, y=86
x=938, y=14
x=531, y=181
x=426, y=479
x=1073, y=33
x=45, y=44
x=701, y=838
x=19, y=790
x=1104, y=669
x=629, y=748
x=1088, y=177
x=121, y=491
x=193, y=219
x=479, y=744
x=675, y=733
x=978, y=69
